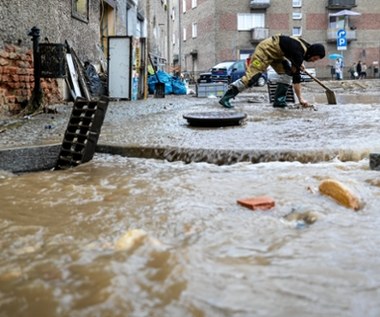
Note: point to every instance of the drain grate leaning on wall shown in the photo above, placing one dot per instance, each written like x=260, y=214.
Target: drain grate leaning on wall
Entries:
x=82, y=132
x=272, y=89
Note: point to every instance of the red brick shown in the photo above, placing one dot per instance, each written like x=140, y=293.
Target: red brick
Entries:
x=4, y=54
x=12, y=70
x=15, y=78
x=11, y=99
x=4, y=70
x=10, y=48
x=260, y=202
x=14, y=85
x=4, y=62
x=22, y=64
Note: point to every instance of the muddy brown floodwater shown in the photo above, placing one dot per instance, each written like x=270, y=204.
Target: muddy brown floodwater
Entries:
x=135, y=237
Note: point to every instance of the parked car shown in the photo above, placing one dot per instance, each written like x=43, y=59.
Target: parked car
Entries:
x=228, y=72
x=204, y=78
x=273, y=76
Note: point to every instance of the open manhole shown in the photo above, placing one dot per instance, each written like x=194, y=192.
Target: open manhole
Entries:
x=215, y=118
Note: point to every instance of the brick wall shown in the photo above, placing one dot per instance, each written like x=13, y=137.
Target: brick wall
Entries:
x=17, y=80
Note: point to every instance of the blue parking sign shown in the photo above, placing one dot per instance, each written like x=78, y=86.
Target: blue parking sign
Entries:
x=341, y=40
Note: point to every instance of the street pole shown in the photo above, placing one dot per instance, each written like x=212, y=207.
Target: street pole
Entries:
x=168, y=37
x=180, y=36
x=36, y=100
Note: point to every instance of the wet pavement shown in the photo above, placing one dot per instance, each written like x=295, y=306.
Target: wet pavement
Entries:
x=348, y=131
x=120, y=236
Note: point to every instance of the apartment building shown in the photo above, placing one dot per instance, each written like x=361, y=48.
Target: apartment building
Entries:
x=87, y=25
x=217, y=30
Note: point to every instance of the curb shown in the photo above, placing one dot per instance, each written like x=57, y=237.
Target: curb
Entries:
x=39, y=158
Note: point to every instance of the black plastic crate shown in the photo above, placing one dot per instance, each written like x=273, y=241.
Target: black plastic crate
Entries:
x=53, y=60
x=82, y=133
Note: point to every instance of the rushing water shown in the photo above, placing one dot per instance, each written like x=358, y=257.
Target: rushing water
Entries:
x=135, y=237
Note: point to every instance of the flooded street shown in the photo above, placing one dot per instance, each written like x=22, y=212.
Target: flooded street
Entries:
x=134, y=237
x=137, y=236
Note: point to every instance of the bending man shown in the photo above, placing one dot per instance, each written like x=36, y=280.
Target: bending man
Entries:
x=286, y=55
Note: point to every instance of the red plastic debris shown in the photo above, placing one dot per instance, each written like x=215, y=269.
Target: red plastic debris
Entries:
x=261, y=202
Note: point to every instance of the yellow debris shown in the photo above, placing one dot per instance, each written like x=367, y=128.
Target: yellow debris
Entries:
x=135, y=238
x=340, y=193
x=131, y=239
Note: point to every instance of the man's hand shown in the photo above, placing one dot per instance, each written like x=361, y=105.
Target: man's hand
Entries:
x=304, y=103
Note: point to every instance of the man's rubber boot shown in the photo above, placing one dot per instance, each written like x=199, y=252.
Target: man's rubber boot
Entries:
x=280, y=95
x=229, y=94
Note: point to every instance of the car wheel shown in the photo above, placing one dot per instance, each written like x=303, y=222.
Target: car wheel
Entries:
x=261, y=82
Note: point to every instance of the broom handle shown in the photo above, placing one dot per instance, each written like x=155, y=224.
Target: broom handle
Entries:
x=316, y=79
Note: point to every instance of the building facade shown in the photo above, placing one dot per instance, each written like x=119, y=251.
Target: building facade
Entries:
x=218, y=30
x=85, y=24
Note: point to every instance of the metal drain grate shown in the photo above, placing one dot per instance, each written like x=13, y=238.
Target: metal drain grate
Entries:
x=272, y=89
x=82, y=133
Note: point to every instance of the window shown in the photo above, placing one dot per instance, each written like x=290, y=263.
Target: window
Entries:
x=79, y=9
x=131, y=20
x=297, y=3
x=194, y=32
x=240, y=66
x=183, y=6
x=337, y=22
x=297, y=16
x=173, y=14
x=297, y=31
x=193, y=3
x=248, y=21
x=184, y=34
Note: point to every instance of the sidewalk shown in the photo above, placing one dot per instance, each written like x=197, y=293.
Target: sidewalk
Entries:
x=156, y=128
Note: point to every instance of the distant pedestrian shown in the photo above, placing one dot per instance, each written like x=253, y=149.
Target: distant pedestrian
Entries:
x=363, y=74
x=359, y=68
x=352, y=71
x=339, y=69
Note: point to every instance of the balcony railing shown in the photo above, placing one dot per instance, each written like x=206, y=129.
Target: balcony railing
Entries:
x=341, y=4
x=332, y=35
x=259, y=4
x=259, y=34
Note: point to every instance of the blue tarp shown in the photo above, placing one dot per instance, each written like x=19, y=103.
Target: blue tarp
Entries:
x=172, y=84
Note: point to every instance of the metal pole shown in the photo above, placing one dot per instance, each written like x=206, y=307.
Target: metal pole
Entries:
x=180, y=36
x=37, y=92
x=168, y=37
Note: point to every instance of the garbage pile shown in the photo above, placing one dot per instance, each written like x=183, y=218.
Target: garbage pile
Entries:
x=173, y=84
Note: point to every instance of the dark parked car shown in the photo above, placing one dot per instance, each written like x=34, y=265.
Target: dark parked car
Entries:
x=228, y=72
x=204, y=78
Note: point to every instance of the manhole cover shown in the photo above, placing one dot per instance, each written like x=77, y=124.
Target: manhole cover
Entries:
x=214, y=119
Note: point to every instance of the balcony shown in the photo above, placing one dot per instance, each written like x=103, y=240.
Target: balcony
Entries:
x=259, y=4
x=341, y=4
x=259, y=34
x=332, y=35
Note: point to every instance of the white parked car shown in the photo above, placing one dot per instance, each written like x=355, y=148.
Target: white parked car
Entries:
x=273, y=76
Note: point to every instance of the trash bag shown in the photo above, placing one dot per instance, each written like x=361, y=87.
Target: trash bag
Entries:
x=96, y=86
x=164, y=78
x=173, y=85
x=179, y=87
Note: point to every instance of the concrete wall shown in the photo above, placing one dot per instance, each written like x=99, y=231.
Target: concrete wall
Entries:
x=56, y=23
